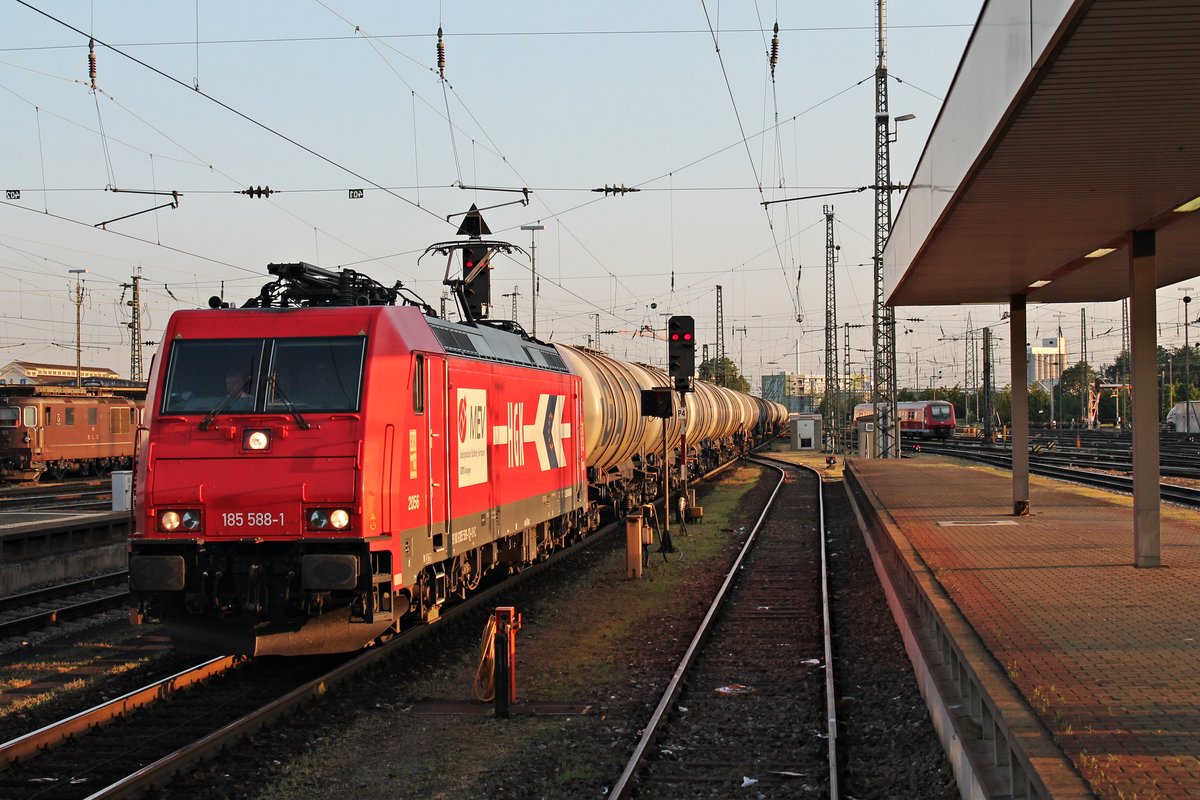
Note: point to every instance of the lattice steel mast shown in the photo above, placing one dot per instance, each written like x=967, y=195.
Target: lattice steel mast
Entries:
x=972, y=374
x=848, y=443
x=719, y=373
x=883, y=320
x=1083, y=355
x=829, y=419
x=135, y=328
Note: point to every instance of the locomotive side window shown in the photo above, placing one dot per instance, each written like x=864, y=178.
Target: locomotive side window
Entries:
x=118, y=420
x=29, y=416
x=419, y=385
x=91, y=416
x=315, y=374
x=8, y=417
x=70, y=415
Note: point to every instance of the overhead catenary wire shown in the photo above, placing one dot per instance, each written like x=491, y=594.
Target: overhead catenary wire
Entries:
x=745, y=143
x=228, y=107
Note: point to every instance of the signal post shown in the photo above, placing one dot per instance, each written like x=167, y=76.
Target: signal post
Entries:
x=681, y=367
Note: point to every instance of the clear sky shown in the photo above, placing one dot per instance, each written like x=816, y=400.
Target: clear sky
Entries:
x=315, y=99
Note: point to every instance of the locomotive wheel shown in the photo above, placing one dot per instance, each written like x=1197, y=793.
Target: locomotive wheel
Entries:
x=57, y=471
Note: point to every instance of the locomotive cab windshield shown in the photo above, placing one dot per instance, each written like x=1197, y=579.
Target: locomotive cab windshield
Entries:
x=264, y=376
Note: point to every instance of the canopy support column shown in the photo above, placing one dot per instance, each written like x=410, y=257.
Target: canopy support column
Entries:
x=1020, y=404
x=1144, y=368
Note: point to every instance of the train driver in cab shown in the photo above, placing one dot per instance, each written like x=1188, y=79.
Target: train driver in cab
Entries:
x=237, y=388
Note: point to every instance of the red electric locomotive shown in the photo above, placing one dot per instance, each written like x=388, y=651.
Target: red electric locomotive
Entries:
x=323, y=464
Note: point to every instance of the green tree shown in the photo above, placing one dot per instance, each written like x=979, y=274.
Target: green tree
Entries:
x=1074, y=387
x=733, y=378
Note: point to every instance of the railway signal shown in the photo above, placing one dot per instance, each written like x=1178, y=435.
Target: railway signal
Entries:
x=477, y=279
x=681, y=351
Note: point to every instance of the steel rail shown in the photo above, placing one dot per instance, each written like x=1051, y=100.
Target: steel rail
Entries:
x=1120, y=483
x=161, y=772
x=83, y=722
x=43, y=619
x=624, y=785
x=58, y=590
x=830, y=693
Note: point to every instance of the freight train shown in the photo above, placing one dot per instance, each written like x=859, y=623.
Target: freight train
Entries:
x=332, y=461
x=58, y=431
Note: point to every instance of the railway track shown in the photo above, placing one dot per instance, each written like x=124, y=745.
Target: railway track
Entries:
x=1119, y=483
x=90, y=494
x=1112, y=455
x=51, y=605
x=752, y=700
x=144, y=739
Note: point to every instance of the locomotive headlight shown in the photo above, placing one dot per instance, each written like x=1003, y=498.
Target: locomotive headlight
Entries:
x=181, y=520
x=256, y=440
x=320, y=519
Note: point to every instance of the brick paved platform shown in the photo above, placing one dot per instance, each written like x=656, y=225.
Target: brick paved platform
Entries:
x=1106, y=656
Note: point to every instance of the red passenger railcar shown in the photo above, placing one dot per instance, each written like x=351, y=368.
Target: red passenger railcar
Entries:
x=927, y=419
x=316, y=473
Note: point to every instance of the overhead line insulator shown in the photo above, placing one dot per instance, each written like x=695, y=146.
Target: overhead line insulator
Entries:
x=258, y=191
x=92, y=61
x=774, y=50
x=614, y=189
x=441, y=55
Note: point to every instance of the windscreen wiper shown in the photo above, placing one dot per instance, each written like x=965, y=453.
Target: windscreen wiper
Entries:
x=226, y=401
x=288, y=404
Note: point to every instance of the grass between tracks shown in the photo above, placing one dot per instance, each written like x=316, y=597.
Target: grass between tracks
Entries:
x=27, y=684
x=594, y=638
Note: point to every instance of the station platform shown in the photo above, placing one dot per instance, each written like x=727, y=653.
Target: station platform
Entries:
x=1052, y=666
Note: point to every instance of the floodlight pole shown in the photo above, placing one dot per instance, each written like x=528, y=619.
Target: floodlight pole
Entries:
x=78, y=325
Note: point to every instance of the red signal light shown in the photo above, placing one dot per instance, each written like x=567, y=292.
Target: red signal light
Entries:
x=687, y=337
x=674, y=337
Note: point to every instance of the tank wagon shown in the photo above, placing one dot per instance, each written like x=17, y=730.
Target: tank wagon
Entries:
x=57, y=431
x=324, y=465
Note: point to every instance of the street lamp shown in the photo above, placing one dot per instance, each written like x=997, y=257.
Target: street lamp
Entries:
x=78, y=312
x=1187, y=353
x=533, y=274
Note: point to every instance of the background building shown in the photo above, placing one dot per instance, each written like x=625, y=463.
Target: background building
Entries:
x=1047, y=361
x=29, y=372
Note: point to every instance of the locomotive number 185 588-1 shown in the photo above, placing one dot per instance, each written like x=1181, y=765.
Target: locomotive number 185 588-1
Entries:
x=251, y=519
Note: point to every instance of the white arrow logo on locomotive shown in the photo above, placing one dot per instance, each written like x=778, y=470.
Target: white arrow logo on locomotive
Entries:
x=547, y=432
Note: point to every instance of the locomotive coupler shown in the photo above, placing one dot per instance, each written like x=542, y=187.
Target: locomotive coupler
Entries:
x=507, y=623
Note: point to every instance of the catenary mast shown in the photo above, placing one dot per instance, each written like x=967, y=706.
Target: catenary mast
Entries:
x=883, y=320
x=830, y=416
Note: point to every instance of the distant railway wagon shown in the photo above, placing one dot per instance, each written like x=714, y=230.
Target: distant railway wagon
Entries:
x=927, y=419
x=66, y=430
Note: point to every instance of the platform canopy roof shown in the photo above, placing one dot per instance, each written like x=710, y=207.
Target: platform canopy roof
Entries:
x=1068, y=125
